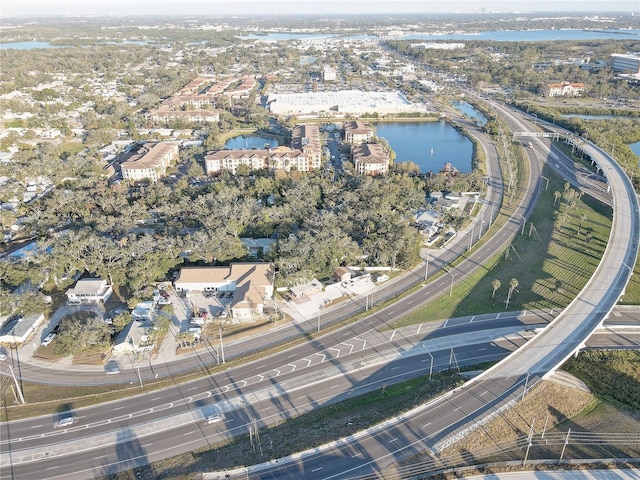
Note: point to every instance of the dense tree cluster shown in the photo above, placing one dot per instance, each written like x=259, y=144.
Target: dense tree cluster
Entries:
x=134, y=237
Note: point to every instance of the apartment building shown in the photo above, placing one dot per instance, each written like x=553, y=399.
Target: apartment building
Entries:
x=357, y=132
x=306, y=138
x=279, y=158
x=370, y=159
x=150, y=162
x=565, y=89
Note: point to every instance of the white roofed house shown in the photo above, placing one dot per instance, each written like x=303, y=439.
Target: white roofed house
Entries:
x=251, y=284
x=89, y=290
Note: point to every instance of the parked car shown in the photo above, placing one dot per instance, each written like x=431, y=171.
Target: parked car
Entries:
x=48, y=339
x=224, y=314
x=3, y=355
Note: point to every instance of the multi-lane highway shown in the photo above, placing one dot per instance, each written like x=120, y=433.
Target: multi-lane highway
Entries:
x=146, y=428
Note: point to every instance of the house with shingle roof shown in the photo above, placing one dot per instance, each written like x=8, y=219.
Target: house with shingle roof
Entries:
x=250, y=283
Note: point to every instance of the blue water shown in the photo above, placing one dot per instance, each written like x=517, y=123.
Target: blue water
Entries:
x=248, y=142
x=276, y=37
x=428, y=144
x=635, y=147
x=532, y=35
x=26, y=45
x=469, y=111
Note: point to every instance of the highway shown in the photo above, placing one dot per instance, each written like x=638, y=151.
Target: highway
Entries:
x=233, y=387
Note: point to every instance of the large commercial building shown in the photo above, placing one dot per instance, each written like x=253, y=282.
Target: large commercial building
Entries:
x=625, y=63
x=339, y=103
x=150, y=163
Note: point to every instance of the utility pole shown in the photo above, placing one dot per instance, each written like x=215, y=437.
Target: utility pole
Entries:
x=221, y=346
x=15, y=380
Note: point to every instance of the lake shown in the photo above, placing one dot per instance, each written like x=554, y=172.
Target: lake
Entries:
x=531, y=35
x=249, y=142
x=468, y=110
x=635, y=147
x=428, y=144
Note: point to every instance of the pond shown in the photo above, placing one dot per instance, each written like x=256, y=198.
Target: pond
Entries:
x=250, y=142
x=635, y=147
x=428, y=144
x=469, y=110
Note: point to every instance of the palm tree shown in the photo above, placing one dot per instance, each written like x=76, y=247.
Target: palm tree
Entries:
x=556, y=196
x=513, y=284
x=496, y=285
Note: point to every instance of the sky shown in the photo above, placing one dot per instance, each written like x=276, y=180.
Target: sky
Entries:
x=12, y=8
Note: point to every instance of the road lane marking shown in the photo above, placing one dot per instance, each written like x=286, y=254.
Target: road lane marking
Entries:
x=472, y=318
x=52, y=468
x=36, y=426
x=394, y=368
x=317, y=469
x=393, y=440
x=188, y=433
x=334, y=386
x=356, y=455
x=426, y=424
x=291, y=365
x=147, y=445
x=444, y=325
x=154, y=399
x=192, y=388
x=100, y=456
x=419, y=327
x=292, y=355
x=392, y=335
x=119, y=408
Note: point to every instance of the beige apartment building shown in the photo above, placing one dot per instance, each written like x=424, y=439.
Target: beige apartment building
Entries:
x=306, y=138
x=357, y=132
x=370, y=159
x=150, y=162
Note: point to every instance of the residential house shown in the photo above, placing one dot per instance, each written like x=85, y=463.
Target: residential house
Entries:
x=250, y=283
x=342, y=274
x=18, y=329
x=134, y=337
x=89, y=290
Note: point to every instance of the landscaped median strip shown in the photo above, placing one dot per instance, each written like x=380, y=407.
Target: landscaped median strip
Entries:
x=126, y=433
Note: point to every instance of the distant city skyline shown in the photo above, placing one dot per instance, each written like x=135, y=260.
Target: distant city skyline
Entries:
x=12, y=8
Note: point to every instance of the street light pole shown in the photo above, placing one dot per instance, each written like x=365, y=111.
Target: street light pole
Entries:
x=426, y=268
x=451, y=289
x=221, y=346
x=430, y=366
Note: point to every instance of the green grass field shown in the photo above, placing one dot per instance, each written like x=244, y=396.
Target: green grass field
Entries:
x=552, y=263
